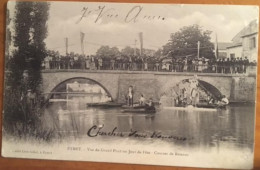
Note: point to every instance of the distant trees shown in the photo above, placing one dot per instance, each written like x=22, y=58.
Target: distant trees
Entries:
x=107, y=52
x=185, y=42
x=182, y=43
x=129, y=51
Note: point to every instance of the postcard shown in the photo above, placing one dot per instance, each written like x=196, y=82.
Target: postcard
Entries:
x=135, y=83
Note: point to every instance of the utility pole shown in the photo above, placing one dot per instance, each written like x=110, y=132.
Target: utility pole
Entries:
x=216, y=47
x=141, y=43
x=198, y=49
x=135, y=48
x=66, y=45
x=82, y=35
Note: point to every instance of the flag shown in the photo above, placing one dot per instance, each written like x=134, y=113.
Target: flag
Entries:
x=66, y=44
x=135, y=48
x=141, y=43
x=198, y=53
x=216, y=47
x=82, y=35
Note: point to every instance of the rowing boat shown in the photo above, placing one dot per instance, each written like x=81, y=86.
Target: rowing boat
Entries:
x=135, y=106
x=141, y=109
x=190, y=108
x=104, y=105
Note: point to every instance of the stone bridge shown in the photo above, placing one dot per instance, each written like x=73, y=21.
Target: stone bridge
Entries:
x=236, y=87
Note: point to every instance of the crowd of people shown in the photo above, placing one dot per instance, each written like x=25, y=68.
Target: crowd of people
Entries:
x=146, y=63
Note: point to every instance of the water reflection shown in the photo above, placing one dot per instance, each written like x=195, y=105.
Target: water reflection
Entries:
x=231, y=128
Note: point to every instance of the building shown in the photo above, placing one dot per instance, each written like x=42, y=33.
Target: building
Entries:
x=245, y=43
x=222, y=49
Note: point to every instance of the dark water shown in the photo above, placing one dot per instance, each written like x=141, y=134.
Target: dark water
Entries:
x=232, y=127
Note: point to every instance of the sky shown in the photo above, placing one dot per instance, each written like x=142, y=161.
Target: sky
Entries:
x=118, y=24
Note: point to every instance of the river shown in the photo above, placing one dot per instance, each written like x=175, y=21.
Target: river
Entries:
x=232, y=127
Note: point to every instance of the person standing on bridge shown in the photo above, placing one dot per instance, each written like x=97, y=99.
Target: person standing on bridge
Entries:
x=112, y=63
x=246, y=63
x=47, y=63
x=87, y=63
x=100, y=63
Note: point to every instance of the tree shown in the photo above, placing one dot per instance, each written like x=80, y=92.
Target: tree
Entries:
x=22, y=24
x=107, y=52
x=103, y=51
x=129, y=51
x=114, y=51
x=30, y=30
x=38, y=48
x=8, y=39
x=185, y=42
x=158, y=53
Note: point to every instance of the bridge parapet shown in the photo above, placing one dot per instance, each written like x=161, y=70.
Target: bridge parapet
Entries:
x=249, y=74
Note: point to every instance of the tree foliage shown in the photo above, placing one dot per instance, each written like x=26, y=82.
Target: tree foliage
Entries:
x=185, y=42
x=107, y=52
x=111, y=52
x=30, y=30
x=158, y=53
x=37, y=46
x=22, y=24
x=129, y=51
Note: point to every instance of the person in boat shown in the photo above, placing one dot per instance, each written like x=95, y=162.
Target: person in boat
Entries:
x=211, y=100
x=194, y=93
x=176, y=93
x=194, y=96
x=142, y=100
x=184, y=97
x=177, y=101
x=224, y=101
x=150, y=105
x=108, y=98
x=130, y=96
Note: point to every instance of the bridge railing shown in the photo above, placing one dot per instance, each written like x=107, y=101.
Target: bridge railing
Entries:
x=157, y=67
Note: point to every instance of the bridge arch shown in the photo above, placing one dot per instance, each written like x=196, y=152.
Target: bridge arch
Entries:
x=61, y=85
x=207, y=87
x=211, y=88
x=175, y=88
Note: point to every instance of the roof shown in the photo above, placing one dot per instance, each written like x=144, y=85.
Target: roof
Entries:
x=250, y=29
x=223, y=45
x=232, y=45
x=249, y=34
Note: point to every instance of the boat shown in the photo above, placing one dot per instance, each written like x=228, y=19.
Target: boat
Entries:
x=190, y=108
x=205, y=105
x=135, y=106
x=59, y=100
x=140, y=109
x=104, y=105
